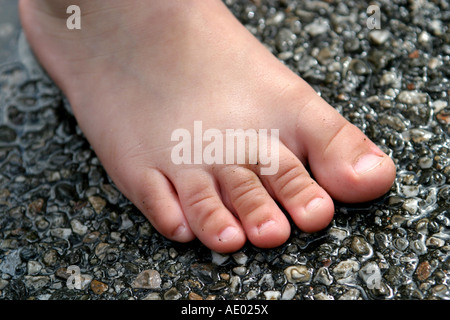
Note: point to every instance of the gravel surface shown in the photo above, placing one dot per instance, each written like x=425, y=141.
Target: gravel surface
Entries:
x=67, y=233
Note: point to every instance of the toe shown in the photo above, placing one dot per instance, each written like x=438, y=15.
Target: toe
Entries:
x=309, y=205
x=156, y=198
x=263, y=221
x=343, y=160
x=212, y=223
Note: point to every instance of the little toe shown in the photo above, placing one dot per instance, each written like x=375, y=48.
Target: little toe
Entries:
x=156, y=198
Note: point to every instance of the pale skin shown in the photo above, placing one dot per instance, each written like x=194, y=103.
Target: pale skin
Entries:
x=139, y=69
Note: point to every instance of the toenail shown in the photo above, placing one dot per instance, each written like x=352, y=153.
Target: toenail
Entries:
x=367, y=162
x=179, y=230
x=313, y=204
x=228, y=234
x=264, y=226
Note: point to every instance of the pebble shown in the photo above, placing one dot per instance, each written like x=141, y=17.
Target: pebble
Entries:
x=63, y=233
x=323, y=276
x=240, y=258
x=352, y=294
x=370, y=273
x=360, y=246
x=147, y=279
x=272, y=295
x=36, y=282
x=423, y=270
x=60, y=208
x=346, y=270
x=78, y=227
x=285, y=40
x=98, y=203
x=378, y=37
x=412, y=97
x=219, y=258
x=289, y=292
x=33, y=267
x=296, y=274
x=172, y=294
x=317, y=27
x=417, y=135
x=98, y=287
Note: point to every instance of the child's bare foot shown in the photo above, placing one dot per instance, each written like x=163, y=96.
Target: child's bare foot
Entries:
x=137, y=70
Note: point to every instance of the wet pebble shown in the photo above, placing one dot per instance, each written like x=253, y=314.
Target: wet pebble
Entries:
x=412, y=97
x=147, y=279
x=296, y=274
x=345, y=271
x=379, y=37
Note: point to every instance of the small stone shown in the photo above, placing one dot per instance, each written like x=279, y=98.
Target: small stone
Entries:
x=346, y=269
x=289, y=292
x=97, y=203
x=33, y=267
x=423, y=270
x=443, y=117
x=417, y=135
x=147, y=279
x=152, y=296
x=219, y=258
x=36, y=282
x=91, y=237
x=412, y=97
x=272, y=295
x=78, y=227
x=63, y=233
x=410, y=191
x=371, y=275
x=434, y=63
x=317, y=27
x=439, y=105
x=411, y=205
x=338, y=233
x=389, y=78
x=50, y=257
x=9, y=262
x=323, y=296
x=414, y=54
x=240, y=258
x=285, y=39
x=352, y=294
x=235, y=283
x=360, y=246
x=323, y=276
x=172, y=294
x=252, y=294
x=194, y=296
x=240, y=271
x=379, y=37
x=35, y=206
x=299, y=273
x=434, y=242
x=418, y=247
x=126, y=222
x=98, y=287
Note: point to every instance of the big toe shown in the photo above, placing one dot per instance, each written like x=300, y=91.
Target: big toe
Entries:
x=344, y=161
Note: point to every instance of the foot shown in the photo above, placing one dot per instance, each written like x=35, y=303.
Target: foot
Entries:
x=136, y=72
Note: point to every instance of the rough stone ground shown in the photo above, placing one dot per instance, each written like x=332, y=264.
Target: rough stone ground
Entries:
x=60, y=212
